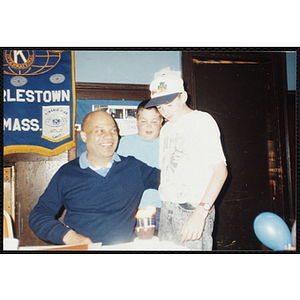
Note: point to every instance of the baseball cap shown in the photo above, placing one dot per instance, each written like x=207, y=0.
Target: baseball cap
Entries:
x=165, y=87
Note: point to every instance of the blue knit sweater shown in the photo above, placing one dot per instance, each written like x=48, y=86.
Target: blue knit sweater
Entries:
x=101, y=208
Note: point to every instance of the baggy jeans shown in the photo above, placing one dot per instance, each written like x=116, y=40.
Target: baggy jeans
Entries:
x=172, y=218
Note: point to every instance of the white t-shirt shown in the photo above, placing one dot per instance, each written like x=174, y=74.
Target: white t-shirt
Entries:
x=188, y=150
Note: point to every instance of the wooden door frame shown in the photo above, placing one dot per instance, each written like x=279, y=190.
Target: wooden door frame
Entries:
x=277, y=64
x=112, y=91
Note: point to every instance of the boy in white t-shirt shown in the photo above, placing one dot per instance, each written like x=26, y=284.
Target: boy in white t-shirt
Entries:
x=193, y=166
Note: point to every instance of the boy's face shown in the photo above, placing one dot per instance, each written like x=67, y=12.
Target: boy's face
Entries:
x=174, y=110
x=149, y=123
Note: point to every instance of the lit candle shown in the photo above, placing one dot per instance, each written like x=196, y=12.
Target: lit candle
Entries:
x=145, y=222
x=143, y=216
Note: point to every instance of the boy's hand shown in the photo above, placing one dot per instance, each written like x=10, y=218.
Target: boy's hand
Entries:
x=193, y=227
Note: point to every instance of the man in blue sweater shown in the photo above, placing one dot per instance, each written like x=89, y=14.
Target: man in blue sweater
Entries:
x=100, y=190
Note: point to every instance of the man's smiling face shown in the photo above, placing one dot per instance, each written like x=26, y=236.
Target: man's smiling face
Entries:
x=100, y=133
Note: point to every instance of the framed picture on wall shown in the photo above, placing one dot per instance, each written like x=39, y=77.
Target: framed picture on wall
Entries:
x=125, y=116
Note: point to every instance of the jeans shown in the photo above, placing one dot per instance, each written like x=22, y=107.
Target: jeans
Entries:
x=172, y=218
x=157, y=218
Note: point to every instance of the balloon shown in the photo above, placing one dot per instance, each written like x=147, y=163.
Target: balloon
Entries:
x=272, y=231
x=294, y=234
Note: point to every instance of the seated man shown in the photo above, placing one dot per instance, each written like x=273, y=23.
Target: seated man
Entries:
x=100, y=190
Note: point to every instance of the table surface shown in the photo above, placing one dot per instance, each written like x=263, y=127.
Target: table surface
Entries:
x=153, y=244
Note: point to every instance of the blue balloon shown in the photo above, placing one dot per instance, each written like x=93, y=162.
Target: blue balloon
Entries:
x=272, y=231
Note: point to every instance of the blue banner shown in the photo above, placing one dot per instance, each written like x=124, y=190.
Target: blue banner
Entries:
x=39, y=101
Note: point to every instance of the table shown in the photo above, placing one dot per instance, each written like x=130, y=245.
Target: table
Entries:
x=153, y=244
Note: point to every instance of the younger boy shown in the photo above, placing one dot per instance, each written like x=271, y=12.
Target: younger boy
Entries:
x=193, y=166
x=145, y=146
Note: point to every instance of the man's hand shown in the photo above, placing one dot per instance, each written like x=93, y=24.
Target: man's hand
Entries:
x=73, y=238
x=193, y=227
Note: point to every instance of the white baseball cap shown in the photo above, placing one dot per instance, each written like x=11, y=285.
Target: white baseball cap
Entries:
x=165, y=87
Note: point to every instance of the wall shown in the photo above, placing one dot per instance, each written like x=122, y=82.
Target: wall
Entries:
x=138, y=67
x=131, y=67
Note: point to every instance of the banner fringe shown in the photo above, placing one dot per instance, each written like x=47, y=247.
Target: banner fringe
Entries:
x=38, y=149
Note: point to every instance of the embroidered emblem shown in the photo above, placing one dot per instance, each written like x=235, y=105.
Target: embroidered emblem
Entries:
x=30, y=62
x=18, y=81
x=162, y=87
x=56, y=123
